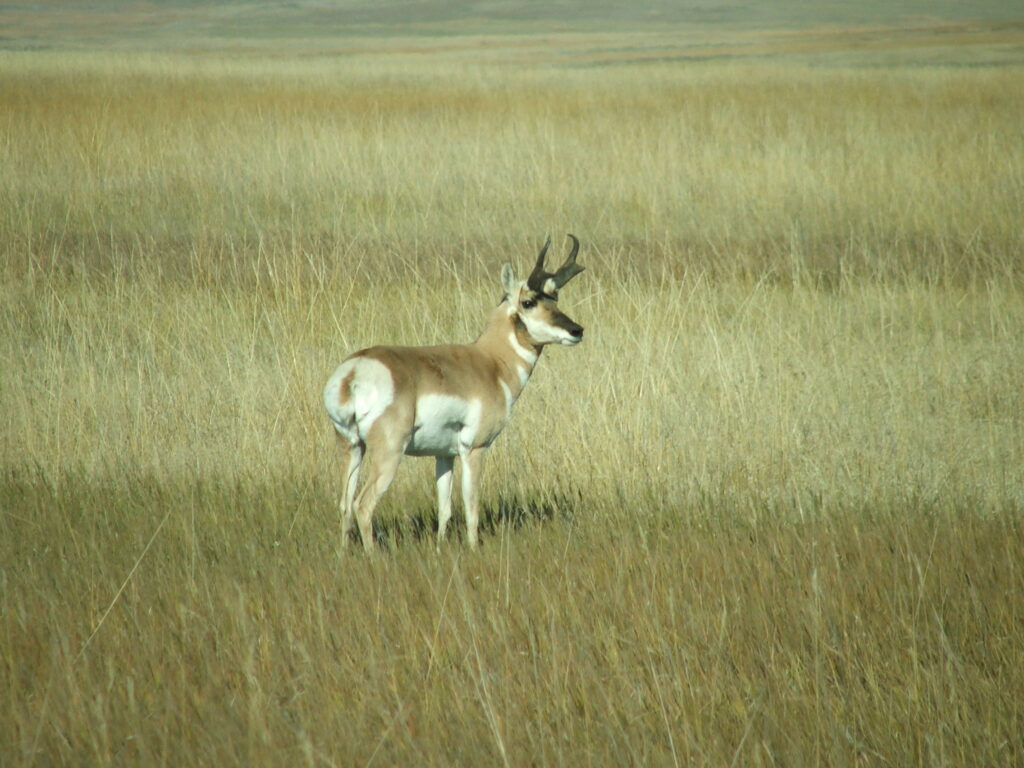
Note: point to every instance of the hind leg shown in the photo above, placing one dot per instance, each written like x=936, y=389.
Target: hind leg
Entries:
x=384, y=455
x=354, y=452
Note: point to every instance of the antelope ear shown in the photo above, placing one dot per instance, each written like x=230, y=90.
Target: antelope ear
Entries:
x=508, y=280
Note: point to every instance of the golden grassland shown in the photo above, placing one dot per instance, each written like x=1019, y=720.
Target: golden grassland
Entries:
x=768, y=513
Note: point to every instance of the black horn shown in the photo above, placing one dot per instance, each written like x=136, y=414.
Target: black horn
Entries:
x=539, y=277
x=570, y=269
x=535, y=281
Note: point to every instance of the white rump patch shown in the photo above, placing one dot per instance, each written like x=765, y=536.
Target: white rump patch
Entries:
x=444, y=425
x=370, y=391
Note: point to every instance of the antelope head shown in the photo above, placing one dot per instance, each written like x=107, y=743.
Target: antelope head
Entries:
x=534, y=302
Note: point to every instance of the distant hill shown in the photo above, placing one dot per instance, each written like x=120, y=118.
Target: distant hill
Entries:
x=210, y=25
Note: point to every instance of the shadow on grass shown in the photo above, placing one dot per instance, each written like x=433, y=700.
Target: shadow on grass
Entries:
x=511, y=512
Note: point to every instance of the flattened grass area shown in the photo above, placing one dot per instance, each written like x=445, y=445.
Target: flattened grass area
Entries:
x=770, y=512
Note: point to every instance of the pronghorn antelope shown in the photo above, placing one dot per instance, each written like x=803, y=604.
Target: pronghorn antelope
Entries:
x=444, y=401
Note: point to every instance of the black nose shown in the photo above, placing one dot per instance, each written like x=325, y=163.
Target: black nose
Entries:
x=576, y=331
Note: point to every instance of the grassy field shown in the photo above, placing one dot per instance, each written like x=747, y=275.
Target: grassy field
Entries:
x=770, y=512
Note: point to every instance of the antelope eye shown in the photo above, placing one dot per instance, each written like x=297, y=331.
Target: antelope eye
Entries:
x=529, y=303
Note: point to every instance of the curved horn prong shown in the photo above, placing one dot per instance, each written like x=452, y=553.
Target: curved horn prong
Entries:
x=570, y=269
x=543, y=253
x=575, y=248
x=536, y=279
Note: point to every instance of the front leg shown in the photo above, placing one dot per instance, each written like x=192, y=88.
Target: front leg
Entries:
x=472, y=461
x=443, y=471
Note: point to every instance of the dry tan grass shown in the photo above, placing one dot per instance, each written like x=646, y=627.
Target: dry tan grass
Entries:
x=734, y=169
x=769, y=513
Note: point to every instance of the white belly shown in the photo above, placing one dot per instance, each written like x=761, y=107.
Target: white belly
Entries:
x=444, y=426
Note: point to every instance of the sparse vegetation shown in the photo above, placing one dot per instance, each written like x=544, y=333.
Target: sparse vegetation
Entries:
x=770, y=512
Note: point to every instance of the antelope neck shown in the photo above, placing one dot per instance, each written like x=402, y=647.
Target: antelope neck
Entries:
x=506, y=341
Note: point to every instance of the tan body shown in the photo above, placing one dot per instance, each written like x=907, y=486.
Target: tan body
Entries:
x=444, y=401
